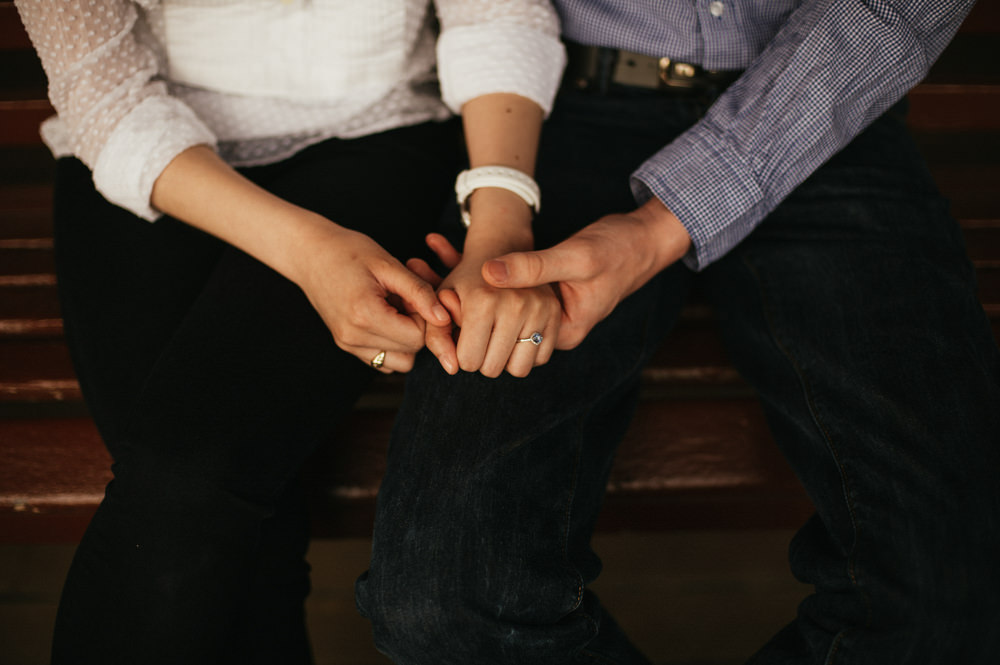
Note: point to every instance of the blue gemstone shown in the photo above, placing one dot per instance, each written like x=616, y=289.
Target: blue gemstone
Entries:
x=536, y=338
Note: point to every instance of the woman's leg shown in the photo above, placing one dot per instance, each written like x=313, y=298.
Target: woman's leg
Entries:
x=212, y=379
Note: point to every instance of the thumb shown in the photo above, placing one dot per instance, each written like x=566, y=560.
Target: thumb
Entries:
x=527, y=269
x=418, y=296
x=420, y=268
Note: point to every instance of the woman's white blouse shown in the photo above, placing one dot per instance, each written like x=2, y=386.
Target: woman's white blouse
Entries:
x=136, y=82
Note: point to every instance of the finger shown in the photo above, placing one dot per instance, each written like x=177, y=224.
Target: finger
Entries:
x=523, y=357
x=438, y=340
x=417, y=293
x=474, y=339
x=449, y=298
x=374, y=321
x=367, y=339
x=529, y=269
x=421, y=269
x=502, y=344
x=392, y=361
x=549, y=338
x=445, y=251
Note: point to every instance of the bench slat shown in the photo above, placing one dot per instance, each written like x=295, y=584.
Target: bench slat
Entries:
x=12, y=34
x=698, y=450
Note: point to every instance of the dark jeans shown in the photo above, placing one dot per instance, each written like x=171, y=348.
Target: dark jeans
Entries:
x=211, y=378
x=851, y=310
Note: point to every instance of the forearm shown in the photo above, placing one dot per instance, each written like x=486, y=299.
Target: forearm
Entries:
x=500, y=130
x=832, y=69
x=361, y=292
x=199, y=188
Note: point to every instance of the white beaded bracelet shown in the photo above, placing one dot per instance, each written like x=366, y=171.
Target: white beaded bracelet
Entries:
x=512, y=180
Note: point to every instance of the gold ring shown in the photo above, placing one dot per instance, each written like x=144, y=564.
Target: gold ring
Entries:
x=378, y=360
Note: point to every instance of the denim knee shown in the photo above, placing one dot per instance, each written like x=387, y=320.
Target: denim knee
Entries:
x=462, y=610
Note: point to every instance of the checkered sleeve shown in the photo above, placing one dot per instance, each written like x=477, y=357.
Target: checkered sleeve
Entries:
x=833, y=68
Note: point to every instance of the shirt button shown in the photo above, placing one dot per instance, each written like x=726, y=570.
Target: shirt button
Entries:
x=716, y=8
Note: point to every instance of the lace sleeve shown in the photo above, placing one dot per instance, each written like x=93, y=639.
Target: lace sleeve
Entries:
x=499, y=46
x=115, y=112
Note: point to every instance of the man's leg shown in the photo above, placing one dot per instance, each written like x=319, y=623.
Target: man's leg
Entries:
x=481, y=548
x=482, y=537
x=852, y=310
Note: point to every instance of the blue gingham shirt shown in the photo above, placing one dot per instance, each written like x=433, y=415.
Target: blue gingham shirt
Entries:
x=817, y=72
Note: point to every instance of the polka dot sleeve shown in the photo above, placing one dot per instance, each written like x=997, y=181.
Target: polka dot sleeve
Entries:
x=115, y=114
x=500, y=46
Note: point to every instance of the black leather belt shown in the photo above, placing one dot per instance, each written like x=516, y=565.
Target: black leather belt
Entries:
x=596, y=69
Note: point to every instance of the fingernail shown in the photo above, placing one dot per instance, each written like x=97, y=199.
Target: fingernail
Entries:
x=440, y=313
x=448, y=365
x=497, y=270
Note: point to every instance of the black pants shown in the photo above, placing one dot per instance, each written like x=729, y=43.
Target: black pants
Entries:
x=211, y=379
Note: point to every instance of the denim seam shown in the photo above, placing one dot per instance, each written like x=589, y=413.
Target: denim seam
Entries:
x=567, y=519
x=596, y=657
x=567, y=514
x=807, y=392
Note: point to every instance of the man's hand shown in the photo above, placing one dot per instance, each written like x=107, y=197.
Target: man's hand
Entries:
x=597, y=267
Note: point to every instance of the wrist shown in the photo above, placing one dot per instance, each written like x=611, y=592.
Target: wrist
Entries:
x=305, y=235
x=502, y=223
x=665, y=235
x=496, y=177
x=480, y=248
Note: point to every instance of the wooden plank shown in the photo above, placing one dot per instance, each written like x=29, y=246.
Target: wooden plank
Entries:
x=982, y=240
x=704, y=452
x=983, y=19
x=971, y=188
x=29, y=303
x=23, y=198
x=25, y=257
x=952, y=107
x=22, y=76
x=25, y=224
x=37, y=371
x=51, y=463
x=12, y=34
x=19, y=121
x=968, y=59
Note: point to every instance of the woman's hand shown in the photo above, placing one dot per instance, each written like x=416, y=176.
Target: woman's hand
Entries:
x=491, y=322
x=500, y=130
x=370, y=302
x=356, y=286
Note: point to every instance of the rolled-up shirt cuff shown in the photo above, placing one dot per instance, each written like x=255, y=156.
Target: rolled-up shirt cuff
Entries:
x=488, y=58
x=708, y=186
x=143, y=143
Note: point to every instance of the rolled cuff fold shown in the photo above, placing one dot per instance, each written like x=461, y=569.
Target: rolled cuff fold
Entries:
x=143, y=143
x=482, y=59
x=708, y=186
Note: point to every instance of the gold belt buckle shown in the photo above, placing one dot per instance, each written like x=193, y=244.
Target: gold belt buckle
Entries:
x=647, y=71
x=677, y=74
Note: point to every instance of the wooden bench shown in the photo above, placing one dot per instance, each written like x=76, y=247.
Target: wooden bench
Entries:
x=697, y=455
